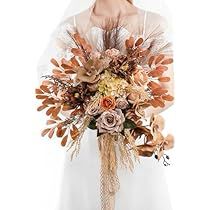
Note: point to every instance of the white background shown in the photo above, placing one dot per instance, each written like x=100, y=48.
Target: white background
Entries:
x=31, y=167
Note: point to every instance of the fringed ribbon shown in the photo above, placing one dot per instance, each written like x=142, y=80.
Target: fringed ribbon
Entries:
x=114, y=153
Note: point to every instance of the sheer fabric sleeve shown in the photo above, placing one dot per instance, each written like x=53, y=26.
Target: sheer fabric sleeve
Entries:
x=57, y=48
x=157, y=34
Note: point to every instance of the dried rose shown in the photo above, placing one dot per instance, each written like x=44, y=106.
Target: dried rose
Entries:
x=140, y=77
x=112, y=53
x=108, y=102
x=90, y=73
x=139, y=110
x=94, y=108
x=110, y=121
x=121, y=103
x=138, y=95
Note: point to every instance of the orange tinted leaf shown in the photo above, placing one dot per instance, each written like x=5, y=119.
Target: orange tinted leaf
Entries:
x=64, y=141
x=57, y=71
x=168, y=98
x=78, y=38
x=45, y=131
x=160, y=103
x=60, y=132
x=74, y=132
x=48, y=101
x=45, y=88
x=153, y=85
x=162, y=68
x=129, y=42
x=38, y=91
x=42, y=107
x=156, y=73
x=159, y=59
x=50, y=122
x=151, y=60
x=49, y=111
x=164, y=79
x=66, y=107
x=54, y=62
x=153, y=103
x=56, y=111
x=139, y=42
x=159, y=91
x=41, y=96
x=77, y=52
x=88, y=48
x=167, y=61
x=74, y=61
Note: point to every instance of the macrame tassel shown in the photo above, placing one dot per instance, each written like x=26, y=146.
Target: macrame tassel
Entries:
x=113, y=152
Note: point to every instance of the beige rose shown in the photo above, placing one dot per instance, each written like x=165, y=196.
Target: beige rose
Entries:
x=110, y=121
x=94, y=108
x=122, y=103
x=139, y=110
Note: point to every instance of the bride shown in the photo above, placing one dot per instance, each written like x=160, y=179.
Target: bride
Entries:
x=144, y=188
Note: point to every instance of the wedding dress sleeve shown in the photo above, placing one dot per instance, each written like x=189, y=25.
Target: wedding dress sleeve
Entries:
x=57, y=48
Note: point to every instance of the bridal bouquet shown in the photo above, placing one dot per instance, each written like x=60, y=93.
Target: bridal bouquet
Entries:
x=110, y=92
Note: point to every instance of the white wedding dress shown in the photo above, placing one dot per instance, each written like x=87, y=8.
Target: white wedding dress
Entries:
x=143, y=189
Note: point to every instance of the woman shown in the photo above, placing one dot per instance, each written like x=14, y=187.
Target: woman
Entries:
x=145, y=187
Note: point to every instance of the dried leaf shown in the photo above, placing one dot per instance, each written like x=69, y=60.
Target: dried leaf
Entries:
x=38, y=91
x=42, y=107
x=167, y=61
x=50, y=122
x=41, y=96
x=154, y=103
x=162, y=68
x=45, y=131
x=56, y=111
x=50, y=110
x=74, y=61
x=48, y=101
x=60, y=132
x=146, y=150
x=153, y=85
x=168, y=98
x=54, y=62
x=160, y=102
x=45, y=88
x=74, y=132
x=139, y=42
x=164, y=79
x=77, y=52
x=129, y=43
x=159, y=59
x=159, y=91
x=151, y=60
x=57, y=71
x=64, y=141
x=51, y=133
x=156, y=73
